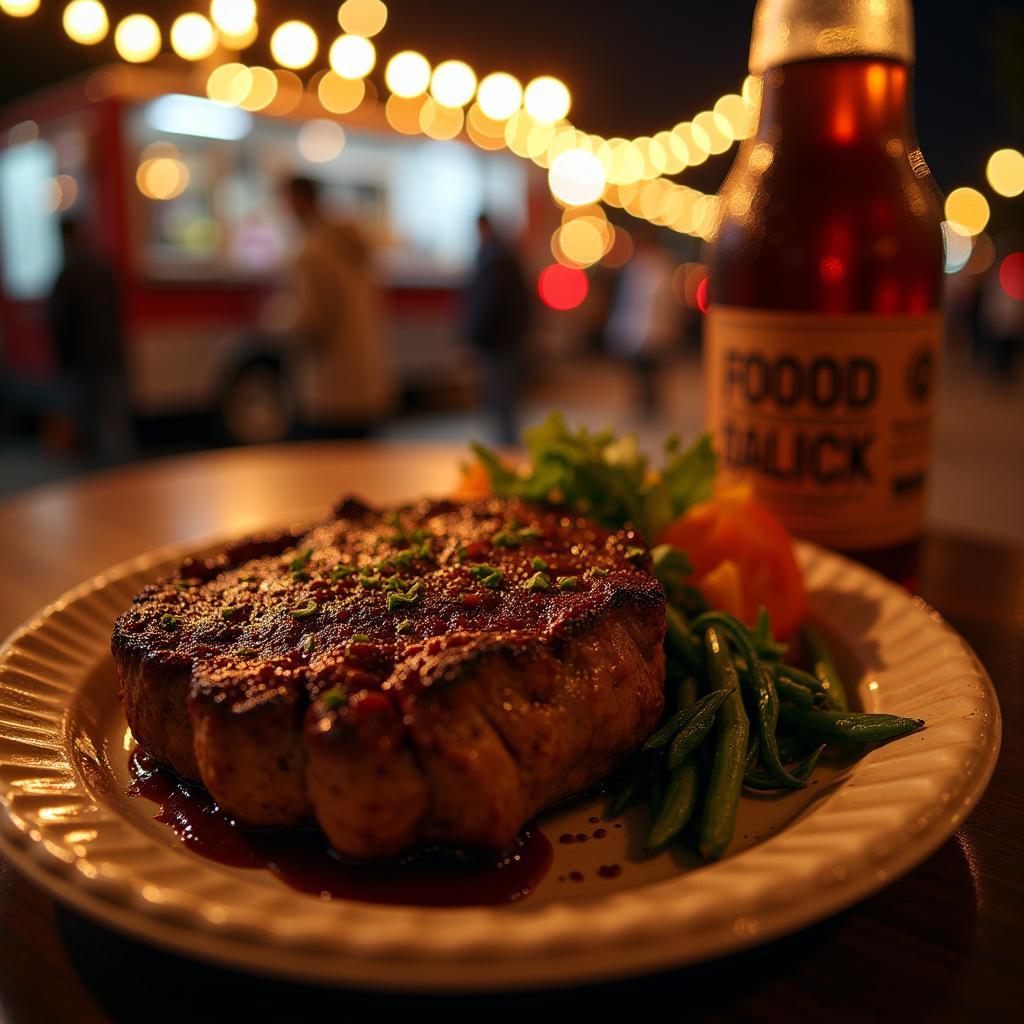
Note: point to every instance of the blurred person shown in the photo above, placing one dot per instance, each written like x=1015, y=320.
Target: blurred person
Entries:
x=498, y=316
x=85, y=318
x=645, y=316
x=342, y=367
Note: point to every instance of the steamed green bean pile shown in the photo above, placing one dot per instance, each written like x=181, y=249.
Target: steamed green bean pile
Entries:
x=737, y=716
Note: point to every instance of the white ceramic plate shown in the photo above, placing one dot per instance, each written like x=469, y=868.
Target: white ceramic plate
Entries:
x=67, y=821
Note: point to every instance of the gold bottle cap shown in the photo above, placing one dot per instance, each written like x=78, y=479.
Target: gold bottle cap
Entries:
x=790, y=30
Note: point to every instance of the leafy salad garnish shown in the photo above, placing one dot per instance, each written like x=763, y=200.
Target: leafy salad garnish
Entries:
x=606, y=477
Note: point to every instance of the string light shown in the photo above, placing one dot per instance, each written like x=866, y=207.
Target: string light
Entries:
x=1005, y=172
x=193, y=37
x=576, y=177
x=407, y=74
x=363, y=17
x=352, y=56
x=233, y=17
x=137, y=38
x=500, y=95
x=19, y=8
x=547, y=99
x=319, y=141
x=85, y=21
x=967, y=211
x=294, y=45
x=453, y=83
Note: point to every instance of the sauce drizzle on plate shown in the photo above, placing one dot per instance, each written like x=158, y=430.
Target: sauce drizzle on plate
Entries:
x=302, y=859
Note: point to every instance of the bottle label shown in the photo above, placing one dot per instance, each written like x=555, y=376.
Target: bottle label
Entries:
x=829, y=417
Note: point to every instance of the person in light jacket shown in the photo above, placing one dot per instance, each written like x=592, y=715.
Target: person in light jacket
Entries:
x=342, y=365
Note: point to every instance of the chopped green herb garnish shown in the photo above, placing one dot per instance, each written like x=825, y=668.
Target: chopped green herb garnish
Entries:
x=538, y=581
x=394, y=583
x=461, y=553
x=304, y=611
x=538, y=563
x=596, y=570
x=396, y=601
x=494, y=580
x=634, y=552
x=301, y=560
x=419, y=534
x=169, y=622
x=300, y=576
x=359, y=638
x=529, y=533
x=481, y=571
x=506, y=539
x=339, y=572
x=188, y=584
x=228, y=610
x=246, y=652
x=569, y=583
x=370, y=582
x=334, y=699
x=307, y=645
x=405, y=626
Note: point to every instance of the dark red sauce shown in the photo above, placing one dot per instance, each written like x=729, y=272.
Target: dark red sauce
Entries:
x=600, y=833
x=302, y=858
x=609, y=870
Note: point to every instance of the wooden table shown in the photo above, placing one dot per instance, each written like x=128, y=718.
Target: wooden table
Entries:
x=943, y=943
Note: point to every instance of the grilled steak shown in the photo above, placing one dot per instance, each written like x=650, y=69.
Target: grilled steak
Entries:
x=433, y=675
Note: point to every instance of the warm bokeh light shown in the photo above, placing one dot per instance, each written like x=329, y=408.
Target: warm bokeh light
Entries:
x=562, y=288
x=289, y=93
x=403, y=112
x=294, y=45
x=193, y=37
x=362, y=17
x=1011, y=275
x=547, y=99
x=262, y=91
x=967, y=211
x=137, y=38
x=230, y=84
x=484, y=131
x=581, y=242
x=352, y=56
x=500, y=95
x=241, y=40
x=67, y=186
x=620, y=252
x=440, y=121
x=319, y=140
x=19, y=8
x=576, y=177
x=340, y=95
x=85, y=21
x=233, y=17
x=162, y=177
x=453, y=83
x=407, y=74
x=1005, y=172
x=735, y=113
x=714, y=129
x=691, y=142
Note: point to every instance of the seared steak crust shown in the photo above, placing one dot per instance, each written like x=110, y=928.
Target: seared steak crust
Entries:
x=437, y=674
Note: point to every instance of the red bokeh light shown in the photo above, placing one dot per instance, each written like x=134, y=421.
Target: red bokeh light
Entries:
x=1011, y=275
x=562, y=287
x=702, y=294
x=832, y=270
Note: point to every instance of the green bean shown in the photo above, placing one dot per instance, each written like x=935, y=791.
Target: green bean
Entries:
x=798, y=675
x=682, y=639
x=794, y=692
x=690, y=737
x=675, y=811
x=764, y=688
x=794, y=748
x=752, y=751
x=628, y=789
x=682, y=718
x=723, y=793
x=762, y=780
x=824, y=667
x=849, y=725
x=686, y=693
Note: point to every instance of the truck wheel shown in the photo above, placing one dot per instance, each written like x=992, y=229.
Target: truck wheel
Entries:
x=257, y=407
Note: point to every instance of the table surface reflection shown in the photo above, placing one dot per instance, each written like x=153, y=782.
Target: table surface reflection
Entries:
x=942, y=943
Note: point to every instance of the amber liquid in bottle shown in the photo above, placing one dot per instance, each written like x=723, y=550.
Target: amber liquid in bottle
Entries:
x=830, y=209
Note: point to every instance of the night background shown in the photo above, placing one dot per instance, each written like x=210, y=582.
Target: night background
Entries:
x=633, y=68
